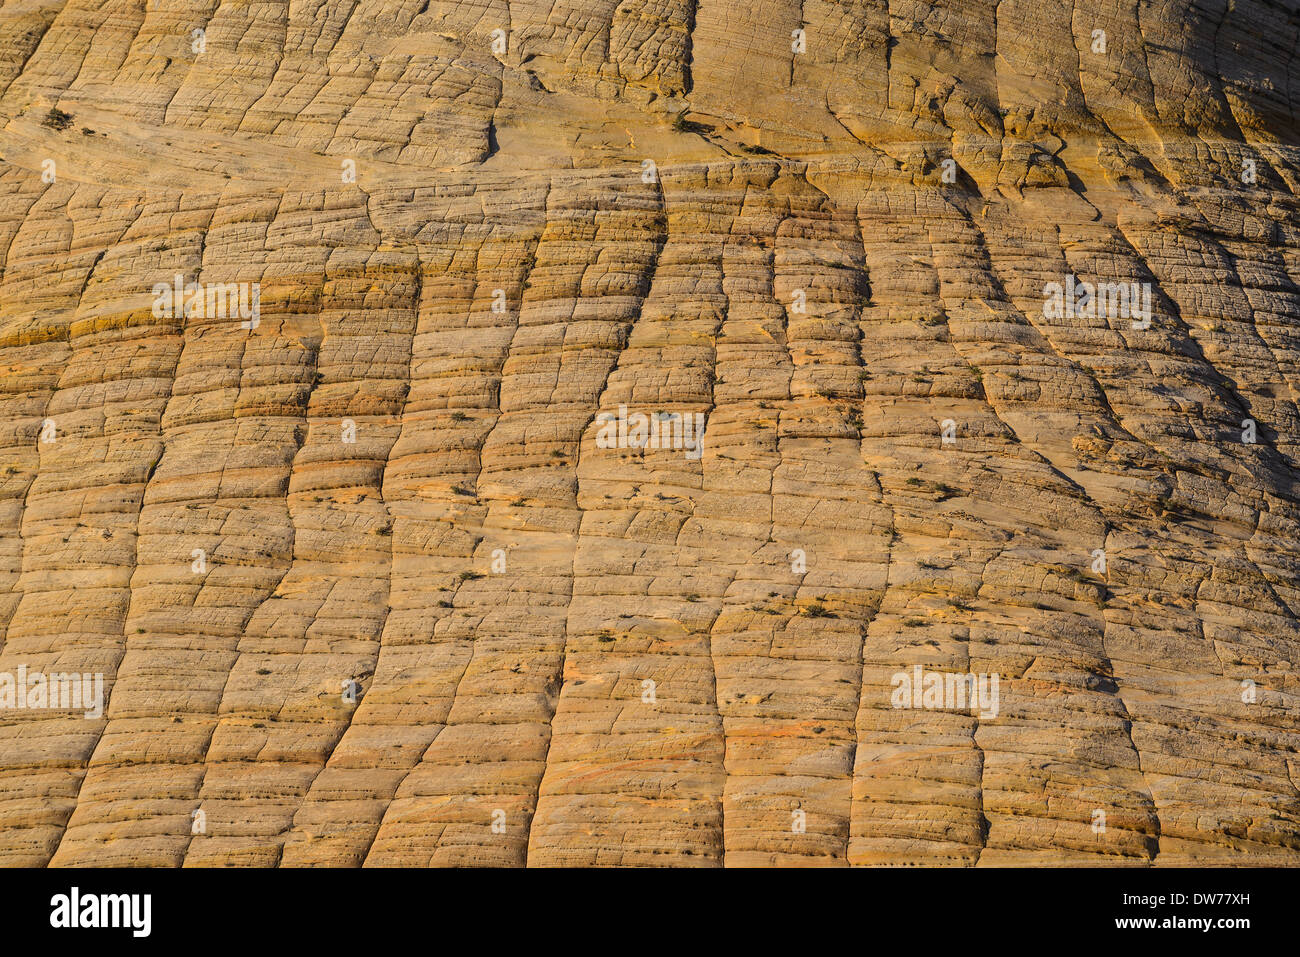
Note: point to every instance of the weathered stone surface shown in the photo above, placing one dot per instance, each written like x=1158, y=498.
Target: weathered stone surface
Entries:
x=469, y=246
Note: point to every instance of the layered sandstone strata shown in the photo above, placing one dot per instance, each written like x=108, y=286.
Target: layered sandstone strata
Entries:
x=363, y=584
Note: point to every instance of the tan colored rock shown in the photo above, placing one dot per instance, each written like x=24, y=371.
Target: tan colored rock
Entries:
x=365, y=583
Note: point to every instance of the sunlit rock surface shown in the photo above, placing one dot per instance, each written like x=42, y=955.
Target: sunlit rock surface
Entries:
x=825, y=226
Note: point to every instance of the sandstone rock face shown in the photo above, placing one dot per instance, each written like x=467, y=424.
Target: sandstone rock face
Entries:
x=365, y=582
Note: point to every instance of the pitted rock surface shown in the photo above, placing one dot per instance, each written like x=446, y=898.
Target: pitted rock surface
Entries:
x=826, y=227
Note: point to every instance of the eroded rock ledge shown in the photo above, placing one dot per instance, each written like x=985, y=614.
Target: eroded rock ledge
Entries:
x=827, y=227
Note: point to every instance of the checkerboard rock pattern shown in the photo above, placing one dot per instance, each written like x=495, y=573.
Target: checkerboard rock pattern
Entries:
x=366, y=588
